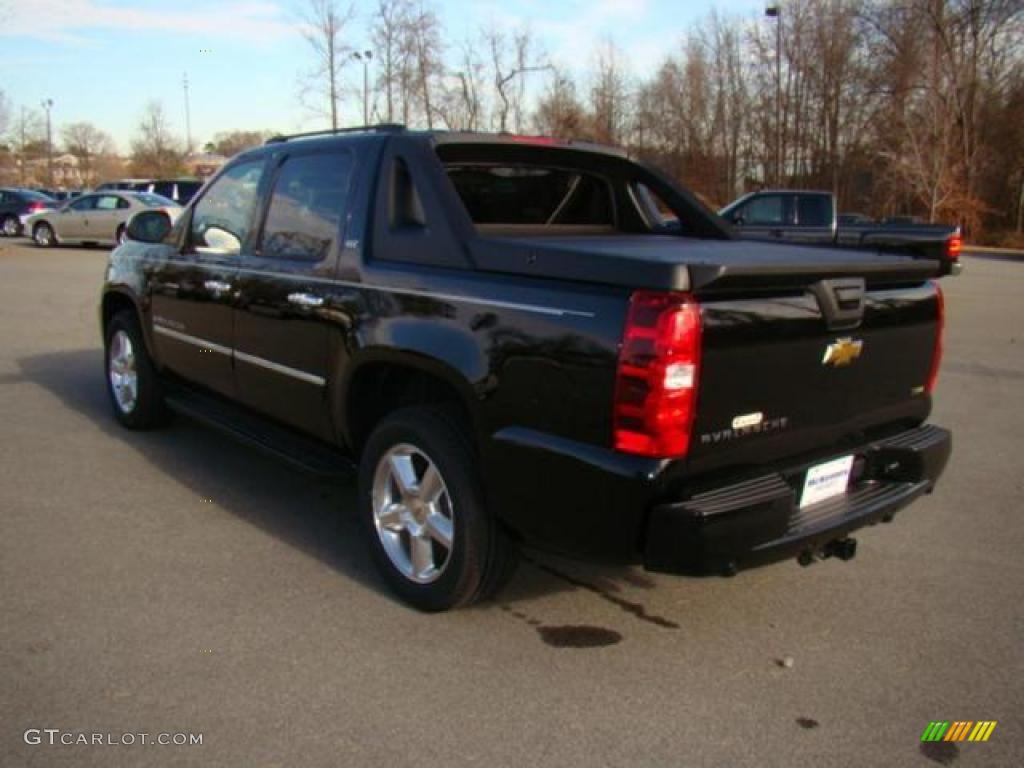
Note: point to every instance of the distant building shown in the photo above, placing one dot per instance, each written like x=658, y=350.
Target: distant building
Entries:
x=67, y=172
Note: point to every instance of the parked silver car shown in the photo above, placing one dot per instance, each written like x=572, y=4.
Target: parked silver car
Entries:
x=99, y=217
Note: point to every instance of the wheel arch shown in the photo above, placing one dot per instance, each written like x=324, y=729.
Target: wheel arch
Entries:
x=383, y=381
x=116, y=300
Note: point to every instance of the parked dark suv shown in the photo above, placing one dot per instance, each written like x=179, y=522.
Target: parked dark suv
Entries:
x=508, y=342
x=16, y=205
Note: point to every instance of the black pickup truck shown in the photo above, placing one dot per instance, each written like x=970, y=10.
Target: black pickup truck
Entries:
x=503, y=340
x=809, y=217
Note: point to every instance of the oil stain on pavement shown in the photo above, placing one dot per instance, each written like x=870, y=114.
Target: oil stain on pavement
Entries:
x=636, y=609
x=568, y=636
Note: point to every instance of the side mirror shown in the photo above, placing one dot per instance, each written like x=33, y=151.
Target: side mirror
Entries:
x=149, y=226
x=738, y=220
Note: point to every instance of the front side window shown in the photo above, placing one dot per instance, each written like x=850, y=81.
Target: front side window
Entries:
x=223, y=217
x=768, y=209
x=307, y=207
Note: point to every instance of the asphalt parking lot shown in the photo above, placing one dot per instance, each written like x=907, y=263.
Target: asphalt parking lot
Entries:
x=177, y=582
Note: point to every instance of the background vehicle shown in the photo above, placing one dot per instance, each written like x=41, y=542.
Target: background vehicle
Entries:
x=93, y=218
x=16, y=205
x=180, y=191
x=854, y=218
x=126, y=184
x=803, y=216
x=506, y=342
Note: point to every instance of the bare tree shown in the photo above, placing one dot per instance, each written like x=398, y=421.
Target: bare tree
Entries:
x=156, y=151
x=5, y=113
x=28, y=138
x=559, y=111
x=609, y=94
x=323, y=27
x=511, y=61
x=426, y=48
x=389, y=29
x=86, y=142
x=229, y=143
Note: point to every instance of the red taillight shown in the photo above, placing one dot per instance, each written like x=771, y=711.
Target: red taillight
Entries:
x=36, y=207
x=933, y=375
x=656, y=381
x=954, y=245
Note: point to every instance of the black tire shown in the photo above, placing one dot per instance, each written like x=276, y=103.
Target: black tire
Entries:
x=481, y=556
x=147, y=409
x=43, y=235
x=119, y=236
x=10, y=226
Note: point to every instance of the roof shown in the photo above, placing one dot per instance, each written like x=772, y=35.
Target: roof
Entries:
x=455, y=137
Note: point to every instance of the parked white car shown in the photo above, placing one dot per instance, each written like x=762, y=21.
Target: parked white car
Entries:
x=99, y=217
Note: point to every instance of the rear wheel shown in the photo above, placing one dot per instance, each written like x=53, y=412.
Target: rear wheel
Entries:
x=423, y=512
x=43, y=235
x=132, y=382
x=10, y=227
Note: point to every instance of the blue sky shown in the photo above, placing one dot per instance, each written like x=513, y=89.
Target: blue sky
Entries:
x=103, y=60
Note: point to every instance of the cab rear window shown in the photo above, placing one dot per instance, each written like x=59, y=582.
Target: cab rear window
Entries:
x=533, y=195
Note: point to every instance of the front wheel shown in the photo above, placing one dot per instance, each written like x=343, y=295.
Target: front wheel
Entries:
x=132, y=381
x=43, y=235
x=423, y=512
x=122, y=235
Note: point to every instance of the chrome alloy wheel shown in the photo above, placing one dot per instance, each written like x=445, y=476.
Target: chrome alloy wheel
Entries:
x=412, y=513
x=11, y=227
x=124, y=377
x=43, y=235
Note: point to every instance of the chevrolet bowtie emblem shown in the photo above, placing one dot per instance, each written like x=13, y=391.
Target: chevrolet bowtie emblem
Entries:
x=842, y=352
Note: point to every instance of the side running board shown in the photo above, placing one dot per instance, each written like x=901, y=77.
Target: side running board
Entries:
x=301, y=452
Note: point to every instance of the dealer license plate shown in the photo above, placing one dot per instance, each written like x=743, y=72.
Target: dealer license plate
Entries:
x=826, y=480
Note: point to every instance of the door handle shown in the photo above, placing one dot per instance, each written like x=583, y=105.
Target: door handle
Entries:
x=307, y=300
x=217, y=286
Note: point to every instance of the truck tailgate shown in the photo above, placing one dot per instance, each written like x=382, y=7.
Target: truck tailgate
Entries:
x=776, y=380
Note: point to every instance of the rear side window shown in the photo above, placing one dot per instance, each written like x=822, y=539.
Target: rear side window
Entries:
x=107, y=203
x=306, y=207
x=813, y=211
x=223, y=217
x=532, y=195
x=84, y=203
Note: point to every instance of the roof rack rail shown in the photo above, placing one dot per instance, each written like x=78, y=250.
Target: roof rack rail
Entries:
x=379, y=128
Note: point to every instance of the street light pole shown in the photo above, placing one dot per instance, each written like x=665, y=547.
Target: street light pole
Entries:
x=48, y=105
x=365, y=57
x=188, y=117
x=774, y=11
